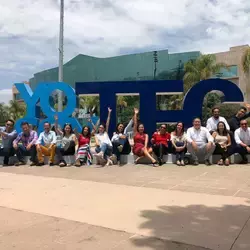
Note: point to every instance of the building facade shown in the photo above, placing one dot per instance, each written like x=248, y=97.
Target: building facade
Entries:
x=142, y=66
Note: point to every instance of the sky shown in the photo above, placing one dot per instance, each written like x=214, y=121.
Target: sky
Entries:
x=29, y=30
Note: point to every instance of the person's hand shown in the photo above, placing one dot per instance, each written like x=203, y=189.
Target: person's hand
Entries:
x=247, y=105
x=38, y=146
x=248, y=149
x=209, y=146
x=109, y=110
x=15, y=146
x=177, y=149
x=29, y=146
x=194, y=145
x=136, y=111
x=123, y=136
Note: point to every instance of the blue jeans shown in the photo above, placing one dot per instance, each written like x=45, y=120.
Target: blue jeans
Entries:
x=105, y=148
x=22, y=151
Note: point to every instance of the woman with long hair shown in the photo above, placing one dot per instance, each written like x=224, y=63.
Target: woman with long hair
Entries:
x=84, y=155
x=179, y=143
x=222, y=142
x=103, y=144
x=120, y=141
x=141, y=148
x=68, y=144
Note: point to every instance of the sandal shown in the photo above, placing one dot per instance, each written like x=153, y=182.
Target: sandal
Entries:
x=178, y=163
x=220, y=162
x=227, y=162
x=154, y=164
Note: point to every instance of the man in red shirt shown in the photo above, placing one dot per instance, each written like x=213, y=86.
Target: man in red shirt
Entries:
x=160, y=140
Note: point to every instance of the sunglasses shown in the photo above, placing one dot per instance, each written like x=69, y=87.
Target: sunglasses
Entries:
x=243, y=124
x=9, y=125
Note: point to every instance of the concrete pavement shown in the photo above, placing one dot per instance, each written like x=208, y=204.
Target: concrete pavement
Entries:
x=138, y=207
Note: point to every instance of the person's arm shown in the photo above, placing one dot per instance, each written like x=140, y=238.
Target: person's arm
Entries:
x=108, y=119
x=40, y=138
x=210, y=138
x=173, y=140
x=76, y=133
x=58, y=131
x=54, y=139
x=238, y=140
x=136, y=111
x=13, y=134
x=35, y=137
x=189, y=139
x=76, y=143
x=97, y=141
x=214, y=134
x=129, y=127
x=18, y=139
x=228, y=140
x=153, y=139
x=209, y=126
x=146, y=141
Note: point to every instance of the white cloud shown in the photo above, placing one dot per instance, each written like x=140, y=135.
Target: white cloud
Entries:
x=29, y=30
x=5, y=95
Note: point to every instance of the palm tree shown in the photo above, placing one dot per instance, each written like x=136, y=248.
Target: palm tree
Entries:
x=16, y=109
x=3, y=113
x=246, y=68
x=204, y=67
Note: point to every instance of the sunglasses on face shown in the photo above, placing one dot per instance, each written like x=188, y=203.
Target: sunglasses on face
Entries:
x=243, y=124
x=9, y=125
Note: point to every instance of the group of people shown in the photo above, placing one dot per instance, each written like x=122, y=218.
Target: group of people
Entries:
x=218, y=137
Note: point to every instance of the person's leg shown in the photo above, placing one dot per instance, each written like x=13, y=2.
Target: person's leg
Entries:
x=156, y=150
x=32, y=153
x=116, y=152
x=20, y=153
x=42, y=151
x=7, y=153
x=126, y=148
x=193, y=153
x=219, y=151
x=209, y=152
x=59, y=154
x=52, y=154
x=243, y=153
x=147, y=153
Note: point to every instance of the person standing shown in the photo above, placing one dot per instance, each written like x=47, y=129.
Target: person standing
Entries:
x=46, y=145
x=200, y=142
x=28, y=139
x=8, y=135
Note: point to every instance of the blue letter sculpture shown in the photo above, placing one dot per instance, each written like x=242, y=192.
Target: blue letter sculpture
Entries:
x=42, y=94
x=192, y=106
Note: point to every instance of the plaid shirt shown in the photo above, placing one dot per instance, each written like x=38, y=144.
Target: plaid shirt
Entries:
x=31, y=138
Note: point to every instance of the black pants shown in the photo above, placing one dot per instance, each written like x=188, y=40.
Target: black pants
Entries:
x=125, y=151
x=60, y=152
x=7, y=153
x=221, y=151
x=180, y=154
x=160, y=150
x=242, y=151
x=22, y=151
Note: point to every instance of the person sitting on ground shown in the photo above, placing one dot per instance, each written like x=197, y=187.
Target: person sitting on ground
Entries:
x=68, y=144
x=46, y=145
x=160, y=141
x=242, y=114
x=222, y=142
x=8, y=135
x=200, y=142
x=28, y=139
x=84, y=155
x=213, y=121
x=141, y=148
x=120, y=141
x=242, y=138
x=103, y=143
x=179, y=142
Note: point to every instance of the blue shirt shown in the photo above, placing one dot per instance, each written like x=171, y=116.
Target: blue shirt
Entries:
x=8, y=139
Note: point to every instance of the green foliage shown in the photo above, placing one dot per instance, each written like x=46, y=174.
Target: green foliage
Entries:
x=246, y=61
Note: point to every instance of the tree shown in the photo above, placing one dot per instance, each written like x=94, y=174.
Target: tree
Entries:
x=16, y=109
x=204, y=67
x=3, y=113
x=246, y=67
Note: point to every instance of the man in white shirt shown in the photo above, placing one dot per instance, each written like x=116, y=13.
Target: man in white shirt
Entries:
x=200, y=142
x=46, y=145
x=213, y=121
x=242, y=138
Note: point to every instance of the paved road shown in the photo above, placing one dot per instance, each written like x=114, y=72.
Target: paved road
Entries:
x=130, y=207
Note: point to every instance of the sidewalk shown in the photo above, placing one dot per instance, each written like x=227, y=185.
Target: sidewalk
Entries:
x=203, y=207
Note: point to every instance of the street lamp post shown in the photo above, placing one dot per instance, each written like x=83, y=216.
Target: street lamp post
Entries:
x=60, y=68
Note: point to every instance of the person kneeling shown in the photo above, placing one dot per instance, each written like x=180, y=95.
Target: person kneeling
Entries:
x=200, y=142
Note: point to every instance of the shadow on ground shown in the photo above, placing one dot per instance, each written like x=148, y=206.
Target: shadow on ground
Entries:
x=199, y=226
